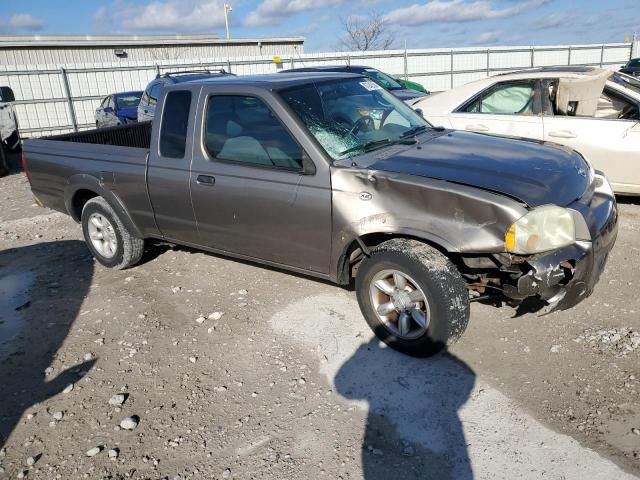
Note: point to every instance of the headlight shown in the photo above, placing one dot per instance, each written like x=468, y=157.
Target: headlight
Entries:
x=542, y=229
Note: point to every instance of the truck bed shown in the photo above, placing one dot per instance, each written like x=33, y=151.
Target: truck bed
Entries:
x=137, y=135
x=108, y=160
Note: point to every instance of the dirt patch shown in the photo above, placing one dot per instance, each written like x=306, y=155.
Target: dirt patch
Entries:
x=233, y=395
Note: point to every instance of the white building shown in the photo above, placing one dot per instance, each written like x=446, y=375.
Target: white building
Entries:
x=71, y=50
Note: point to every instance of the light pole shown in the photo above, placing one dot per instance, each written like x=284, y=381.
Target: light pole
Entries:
x=227, y=9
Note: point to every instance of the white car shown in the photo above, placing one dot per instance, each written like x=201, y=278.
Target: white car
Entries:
x=594, y=111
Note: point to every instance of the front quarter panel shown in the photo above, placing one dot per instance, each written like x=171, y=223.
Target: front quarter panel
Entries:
x=455, y=217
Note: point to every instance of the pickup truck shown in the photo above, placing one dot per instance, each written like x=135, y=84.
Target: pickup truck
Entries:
x=421, y=220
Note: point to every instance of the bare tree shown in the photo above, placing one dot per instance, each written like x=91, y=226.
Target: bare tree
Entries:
x=366, y=33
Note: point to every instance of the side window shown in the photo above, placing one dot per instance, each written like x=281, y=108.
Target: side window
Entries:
x=154, y=93
x=104, y=102
x=175, y=120
x=506, y=99
x=613, y=106
x=243, y=129
x=110, y=103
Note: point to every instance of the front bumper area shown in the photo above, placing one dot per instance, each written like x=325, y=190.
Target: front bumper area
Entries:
x=565, y=277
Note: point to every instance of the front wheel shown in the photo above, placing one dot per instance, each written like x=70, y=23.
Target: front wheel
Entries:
x=107, y=237
x=412, y=297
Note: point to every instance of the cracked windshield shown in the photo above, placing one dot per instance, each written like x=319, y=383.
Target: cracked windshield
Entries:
x=353, y=116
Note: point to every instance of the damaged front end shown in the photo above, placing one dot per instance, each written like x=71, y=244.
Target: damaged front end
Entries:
x=558, y=279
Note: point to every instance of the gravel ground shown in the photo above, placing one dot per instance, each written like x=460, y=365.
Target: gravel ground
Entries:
x=194, y=366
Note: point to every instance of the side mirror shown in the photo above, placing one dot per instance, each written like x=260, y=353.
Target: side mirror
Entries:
x=420, y=112
x=108, y=109
x=308, y=167
x=7, y=94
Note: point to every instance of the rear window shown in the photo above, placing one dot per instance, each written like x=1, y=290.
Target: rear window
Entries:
x=175, y=120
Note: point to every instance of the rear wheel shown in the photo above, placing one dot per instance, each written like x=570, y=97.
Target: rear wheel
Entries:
x=412, y=297
x=107, y=237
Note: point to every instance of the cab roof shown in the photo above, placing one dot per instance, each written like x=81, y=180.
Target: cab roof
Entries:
x=276, y=81
x=330, y=68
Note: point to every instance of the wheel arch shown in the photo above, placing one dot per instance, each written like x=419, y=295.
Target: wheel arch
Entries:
x=83, y=188
x=357, y=245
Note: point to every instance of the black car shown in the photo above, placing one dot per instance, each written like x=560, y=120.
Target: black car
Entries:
x=147, y=105
x=385, y=81
x=632, y=67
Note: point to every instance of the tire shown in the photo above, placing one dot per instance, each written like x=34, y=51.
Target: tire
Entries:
x=428, y=275
x=125, y=249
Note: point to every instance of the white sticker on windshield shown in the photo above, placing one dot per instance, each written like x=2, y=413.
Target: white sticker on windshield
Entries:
x=369, y=85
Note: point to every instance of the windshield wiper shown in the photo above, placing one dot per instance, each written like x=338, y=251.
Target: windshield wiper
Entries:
x=369, y=146
x=413, y=131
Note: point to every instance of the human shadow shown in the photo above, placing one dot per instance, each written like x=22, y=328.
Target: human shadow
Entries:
x=413, y=429
x=42, y=287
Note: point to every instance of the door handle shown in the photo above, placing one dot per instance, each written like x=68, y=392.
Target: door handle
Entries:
x=206, y=180
x=562, y=134
x=477, y=128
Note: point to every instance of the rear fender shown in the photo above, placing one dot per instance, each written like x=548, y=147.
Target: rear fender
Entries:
x=99, y=187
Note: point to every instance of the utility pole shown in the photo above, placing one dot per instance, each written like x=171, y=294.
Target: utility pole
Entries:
x=227, y=9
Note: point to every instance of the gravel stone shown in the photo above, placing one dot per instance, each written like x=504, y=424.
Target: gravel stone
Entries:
x=94, y=451
x=117, y=399
x=129, y=423
x=618, y=341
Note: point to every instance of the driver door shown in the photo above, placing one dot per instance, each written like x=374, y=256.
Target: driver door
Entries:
x=507, y=108
x=250, y=191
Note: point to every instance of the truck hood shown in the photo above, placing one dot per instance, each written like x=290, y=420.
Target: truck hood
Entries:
x=533, y=172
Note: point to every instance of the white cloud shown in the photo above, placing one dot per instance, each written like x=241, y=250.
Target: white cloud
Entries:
x=457, y=11
x=487, y=37
x=25, y=21
x=271, y=12
x=164, y=15
x=554, y=20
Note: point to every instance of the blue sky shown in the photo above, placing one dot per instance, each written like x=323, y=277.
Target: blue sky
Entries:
x=421, y=23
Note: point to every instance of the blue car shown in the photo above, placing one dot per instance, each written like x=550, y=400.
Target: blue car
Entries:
x=118, y=109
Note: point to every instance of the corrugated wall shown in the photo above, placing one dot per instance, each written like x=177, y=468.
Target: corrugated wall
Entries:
x=43, y=107
x=71, y=55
